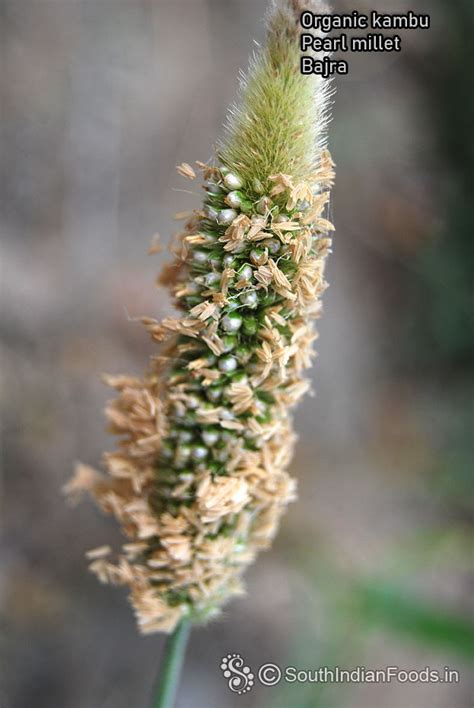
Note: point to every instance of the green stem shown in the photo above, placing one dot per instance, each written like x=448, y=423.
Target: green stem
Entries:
x=172, y=663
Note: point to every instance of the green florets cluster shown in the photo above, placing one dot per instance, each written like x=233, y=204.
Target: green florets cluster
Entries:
x=192, y=446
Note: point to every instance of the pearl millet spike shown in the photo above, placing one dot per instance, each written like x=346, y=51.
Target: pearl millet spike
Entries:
x=199, y=478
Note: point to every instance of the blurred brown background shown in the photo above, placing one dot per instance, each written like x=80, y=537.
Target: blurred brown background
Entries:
x=100, y=100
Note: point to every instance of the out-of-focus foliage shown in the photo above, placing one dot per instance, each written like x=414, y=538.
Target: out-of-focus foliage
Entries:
x=441, y=309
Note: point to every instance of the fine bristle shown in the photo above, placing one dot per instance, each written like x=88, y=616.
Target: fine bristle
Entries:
x=279, y=123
